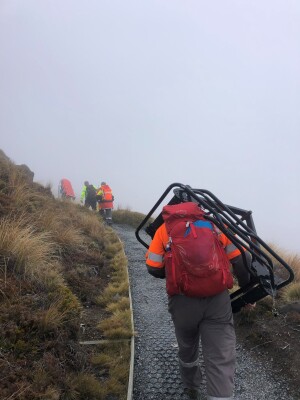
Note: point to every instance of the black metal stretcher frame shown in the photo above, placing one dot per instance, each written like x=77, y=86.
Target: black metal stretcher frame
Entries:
x=238, y=225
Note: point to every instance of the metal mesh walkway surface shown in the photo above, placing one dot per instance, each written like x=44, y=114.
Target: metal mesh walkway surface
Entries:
x=156, y=371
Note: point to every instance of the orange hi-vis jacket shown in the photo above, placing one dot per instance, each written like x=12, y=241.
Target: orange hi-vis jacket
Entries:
x=107, y=197
x=157, y=248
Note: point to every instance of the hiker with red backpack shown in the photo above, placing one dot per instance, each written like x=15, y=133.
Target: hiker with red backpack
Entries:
x=65, y=189
x=193, y=255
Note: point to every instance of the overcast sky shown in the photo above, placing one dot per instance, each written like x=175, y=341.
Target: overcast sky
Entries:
x=144, y=93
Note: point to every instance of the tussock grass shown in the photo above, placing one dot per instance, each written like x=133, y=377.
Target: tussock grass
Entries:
x=115, y=299
x=112, y=293
x=293, y=260
x=28, y=252
x=111, y=249
x=291, y=292
x=60, y=225
x=119, y=262
x=119, y=286
x=61, y=310
x=69, y=238
x=84, y=386
x=128, y=217
x=118, y=326
x=53, y=255
x=51, y=393
x=91, y=224
x=112, y=358
x=22, y=195
x=122, y=304
x=61, y=229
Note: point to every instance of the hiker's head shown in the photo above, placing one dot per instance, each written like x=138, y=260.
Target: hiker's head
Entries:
x=103, y=183
x=86, y=183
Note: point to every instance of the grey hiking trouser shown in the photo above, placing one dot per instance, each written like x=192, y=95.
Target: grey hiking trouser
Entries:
x=209, y=320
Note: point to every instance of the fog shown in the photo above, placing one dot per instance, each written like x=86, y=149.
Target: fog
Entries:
x=142, y=94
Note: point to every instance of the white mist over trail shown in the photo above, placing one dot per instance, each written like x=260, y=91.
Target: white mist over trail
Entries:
x=144, y=94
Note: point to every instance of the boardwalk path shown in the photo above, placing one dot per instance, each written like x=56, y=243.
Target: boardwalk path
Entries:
x=156, y=375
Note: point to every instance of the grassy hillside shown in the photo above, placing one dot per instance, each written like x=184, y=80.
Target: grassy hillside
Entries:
x=55, y=258
x=131, y=218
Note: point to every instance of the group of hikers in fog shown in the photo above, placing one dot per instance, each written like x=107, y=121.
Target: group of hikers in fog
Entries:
x=97, y=198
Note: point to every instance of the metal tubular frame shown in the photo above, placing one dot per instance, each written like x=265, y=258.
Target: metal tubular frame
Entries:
x=238, y=225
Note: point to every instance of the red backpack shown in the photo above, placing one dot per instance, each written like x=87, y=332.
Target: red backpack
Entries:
x=195, y=261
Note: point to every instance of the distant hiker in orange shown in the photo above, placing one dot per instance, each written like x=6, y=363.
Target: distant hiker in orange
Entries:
x=105, y=200
x=88, y=195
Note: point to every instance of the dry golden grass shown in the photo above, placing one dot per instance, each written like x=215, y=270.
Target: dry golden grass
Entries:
x=111, y=249
x=22, y=195
x=60, y=227
x=84, y=386
x=291, y=292
x=69, y=238
x=112, y=293
x=29, y=253
x=122, y=304
x=119, y=286
x=51, y=393
x=119, y=262
x=111, y=239
x=62, y=309
x=128, y=217
x=118, y=326
x=116, y=299
x=42, y=240
x=114, y=357
x=91, y=223
x=293, y=260
x=82, y=229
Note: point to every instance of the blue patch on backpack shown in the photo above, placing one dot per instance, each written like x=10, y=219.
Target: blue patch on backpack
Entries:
x=199, y=224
